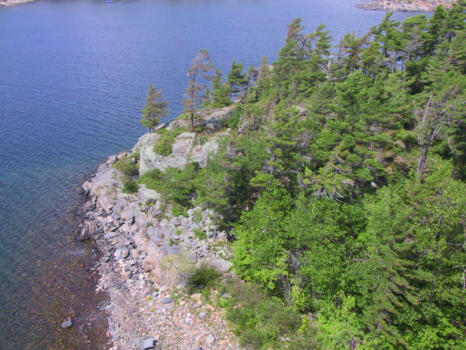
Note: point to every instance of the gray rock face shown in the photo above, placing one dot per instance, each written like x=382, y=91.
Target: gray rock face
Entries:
x=67, y=323
x=146, y=195
x=213, y=121
x=166, y=300
x=184, y=149
x=221, y=265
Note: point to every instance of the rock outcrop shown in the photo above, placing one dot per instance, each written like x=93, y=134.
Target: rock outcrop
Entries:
x=185, y=149
x=147, y=255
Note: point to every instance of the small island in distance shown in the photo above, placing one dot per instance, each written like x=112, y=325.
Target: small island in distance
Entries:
x=5, y=3
x=406, y=5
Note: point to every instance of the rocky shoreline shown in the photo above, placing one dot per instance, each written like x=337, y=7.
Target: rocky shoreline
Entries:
x=146, y=254
x=406, y=6
x=5, y=3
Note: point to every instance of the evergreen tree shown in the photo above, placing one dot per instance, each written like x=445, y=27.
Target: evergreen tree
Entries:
x=236, y=79
x=155, y=109
x=200, y=70
x=220, y=91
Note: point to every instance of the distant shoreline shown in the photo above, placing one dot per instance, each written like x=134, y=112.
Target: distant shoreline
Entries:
x=406, y=6
x=5, y=3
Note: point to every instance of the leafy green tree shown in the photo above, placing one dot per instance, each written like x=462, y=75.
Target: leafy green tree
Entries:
x=211, y=189
x=155, y=109
x=258, y=252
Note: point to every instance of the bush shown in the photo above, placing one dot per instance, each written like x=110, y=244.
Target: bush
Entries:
x=261, y=320
x=164, y=143
x=130, y=186
x=201, y=278
x=178, y=210
x=176, y=186
x=128, y=165
x=233, y=121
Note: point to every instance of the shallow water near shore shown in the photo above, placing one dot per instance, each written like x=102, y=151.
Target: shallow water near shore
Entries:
x=73, y=78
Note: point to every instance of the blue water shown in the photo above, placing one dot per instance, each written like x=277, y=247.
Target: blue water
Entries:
x=73, y=78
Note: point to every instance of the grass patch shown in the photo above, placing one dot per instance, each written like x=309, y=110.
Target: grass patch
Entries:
x=197, y=216
x=165, y=141
x=199, y=234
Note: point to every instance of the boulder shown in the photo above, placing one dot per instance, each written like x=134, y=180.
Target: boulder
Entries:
x=146, y=195
x=148, y=344
x=67, y=323
x=88, y=231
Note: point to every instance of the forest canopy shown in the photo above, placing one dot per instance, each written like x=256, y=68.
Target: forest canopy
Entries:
x=341, y=186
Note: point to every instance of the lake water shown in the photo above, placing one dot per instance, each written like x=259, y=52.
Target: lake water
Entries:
x=73, y=78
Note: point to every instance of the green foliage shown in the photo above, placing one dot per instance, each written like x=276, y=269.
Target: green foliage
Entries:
x=261, y=321
x=155, y=109
x=176, y=186
x=236, y=79
x=173, y=242
x=165, y=141
x=233, y=121
x=221, y=91
x=128, y=165
x=178, y=210
x=199, y=234
x=341, y=187
x=259, y=254
x=201, y=278
x=130, y=186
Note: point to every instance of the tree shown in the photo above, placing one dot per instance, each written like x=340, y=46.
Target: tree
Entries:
x=220, y=91
x=236, y=79
x=200, y=69
x=155, y=109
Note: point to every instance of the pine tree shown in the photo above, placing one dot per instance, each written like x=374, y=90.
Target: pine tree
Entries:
x=200, y=70
x=155, y=109
x=236, y=79
x=220, y=91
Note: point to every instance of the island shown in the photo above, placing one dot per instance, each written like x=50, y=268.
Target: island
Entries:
x=5, y=3
x=407, y=5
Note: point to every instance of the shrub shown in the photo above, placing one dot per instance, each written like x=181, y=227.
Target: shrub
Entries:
x=233, y=121
x=164, y=143
x=128, y=165
x=260, y=320
x=201, y=278
x=130, y=186
x=179, y=210
x=173, y=242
